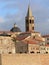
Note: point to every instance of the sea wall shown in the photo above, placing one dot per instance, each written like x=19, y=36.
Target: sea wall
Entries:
x=24, y=59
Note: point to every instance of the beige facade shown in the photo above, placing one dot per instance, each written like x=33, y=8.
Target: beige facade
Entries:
x=47, y=49
x=24, y=59
x=47, y=43
x=42, y=49
x=33, y=48
x=46, y=39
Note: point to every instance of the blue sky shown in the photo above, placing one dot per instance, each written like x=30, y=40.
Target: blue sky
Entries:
x=12, y=11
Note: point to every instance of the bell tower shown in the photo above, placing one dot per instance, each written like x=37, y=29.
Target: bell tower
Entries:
x=29, y=20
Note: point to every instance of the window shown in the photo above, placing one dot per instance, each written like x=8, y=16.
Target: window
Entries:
x=20, y=52
x=46, y=52
x=25, y=52
x=38, y=52
x=47, y=42
x=10, y=52
x=42, y=48
x=47, y=48
x=47, y=38
x=30, y=21
x=32, y=52
x=37, y=48
x=33, y=37
x=41, y=44
x=32, y=48
x=33, y=28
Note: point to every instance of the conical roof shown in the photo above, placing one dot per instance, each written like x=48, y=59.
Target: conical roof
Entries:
x=29, y=13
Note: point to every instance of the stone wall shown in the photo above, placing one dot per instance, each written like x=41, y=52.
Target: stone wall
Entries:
x=6, y=45
x=24, y=59
x=21, y=47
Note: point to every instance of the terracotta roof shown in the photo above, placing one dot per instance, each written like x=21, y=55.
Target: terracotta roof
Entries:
x=47, y=45
x=30, y=41
x=38, y=39
x=45, y=36
x=26, y=33
x=31, y=32
x=22, y=36
x=5, y=32
x=25, y=36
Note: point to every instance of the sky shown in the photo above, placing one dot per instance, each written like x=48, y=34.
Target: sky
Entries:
x=14, y=11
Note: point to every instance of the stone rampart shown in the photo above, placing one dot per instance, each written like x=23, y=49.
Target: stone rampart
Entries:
x=24, y=59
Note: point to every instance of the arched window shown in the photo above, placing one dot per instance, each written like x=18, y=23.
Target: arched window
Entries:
x=30, y=21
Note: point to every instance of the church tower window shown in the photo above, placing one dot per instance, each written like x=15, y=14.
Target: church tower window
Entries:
x=30, y=21
x=33, y=28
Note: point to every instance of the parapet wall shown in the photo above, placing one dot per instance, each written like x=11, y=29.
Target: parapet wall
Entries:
x=24, y=59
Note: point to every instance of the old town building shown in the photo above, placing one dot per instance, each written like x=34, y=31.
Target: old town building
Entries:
x=15, y=41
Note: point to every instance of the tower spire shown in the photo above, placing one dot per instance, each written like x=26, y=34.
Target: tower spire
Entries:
x=29, y=12
x=29, y=20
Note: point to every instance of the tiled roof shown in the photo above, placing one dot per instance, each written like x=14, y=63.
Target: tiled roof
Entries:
x=5, y=32
x=22, y=36
x=45, y=35
x=47, y=45
x=38, y=39
x=30, y=41
x=31, y=32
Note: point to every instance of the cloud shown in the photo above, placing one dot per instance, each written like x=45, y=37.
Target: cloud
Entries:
x=10, y=19
x=16, y=10
x=1, y=19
